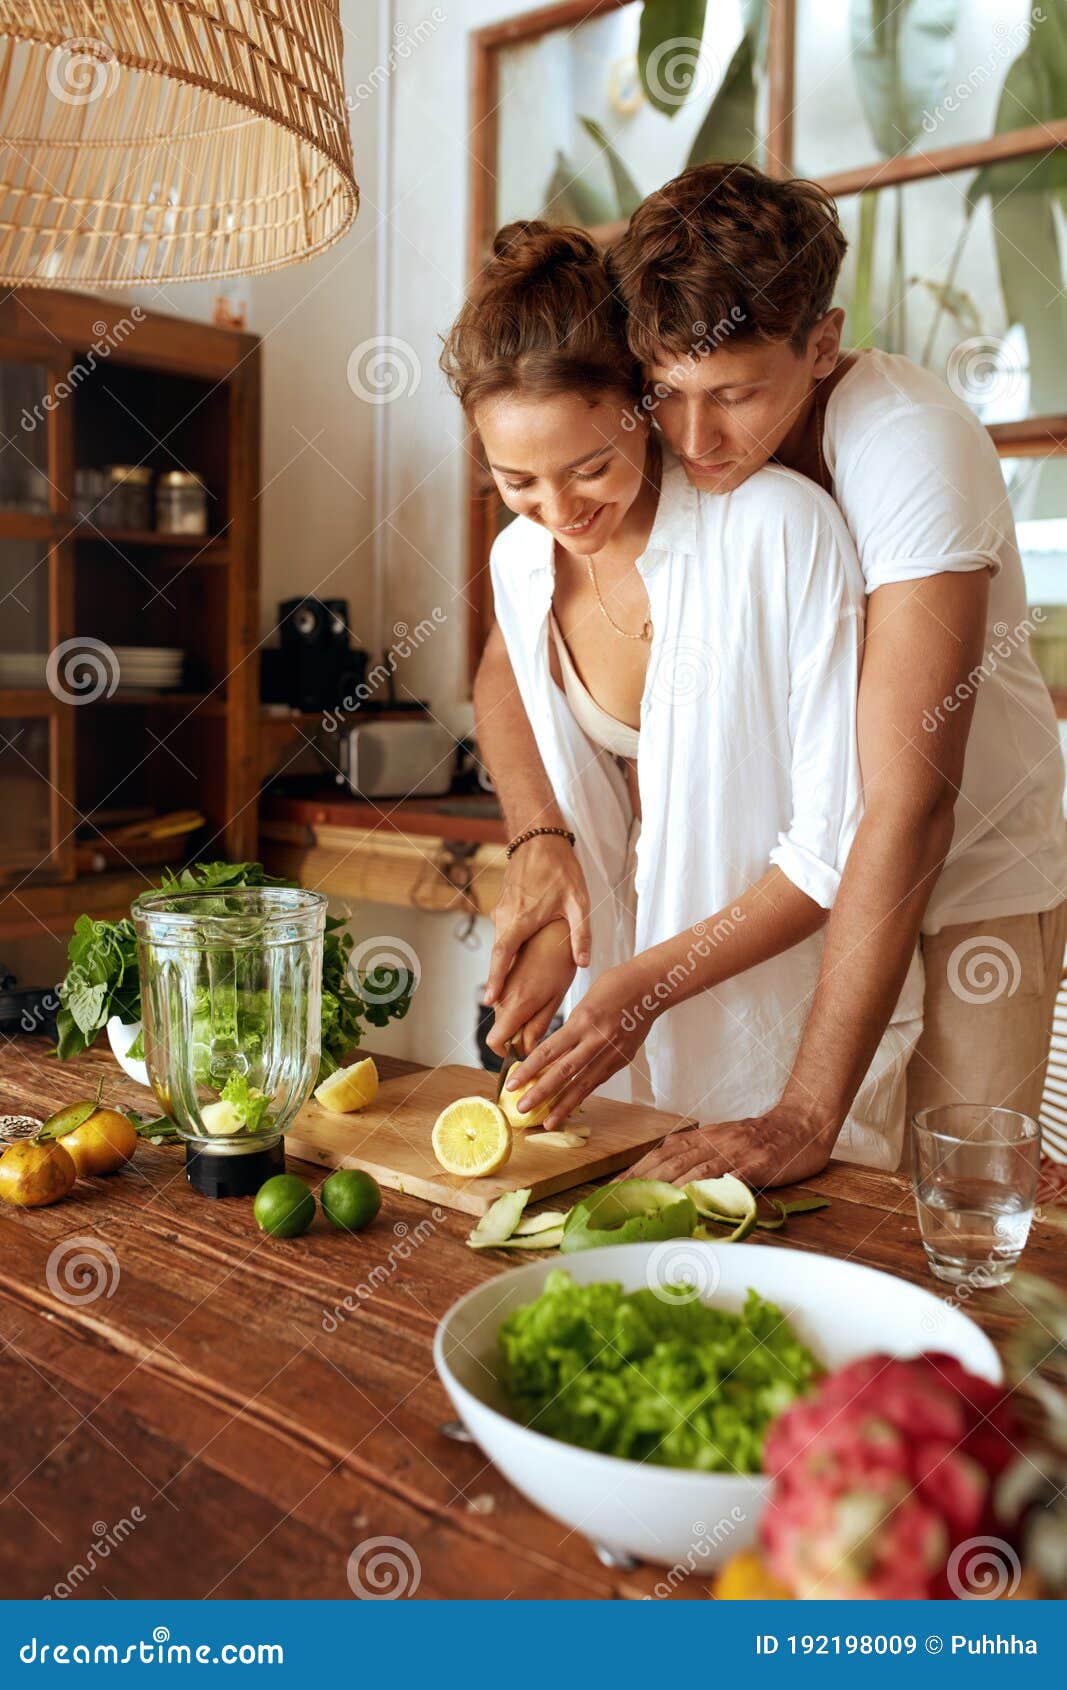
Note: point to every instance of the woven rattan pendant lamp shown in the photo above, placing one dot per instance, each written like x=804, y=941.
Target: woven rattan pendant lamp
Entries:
x=169, y=140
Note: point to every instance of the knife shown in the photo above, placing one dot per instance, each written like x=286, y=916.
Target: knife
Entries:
x=512, y=1054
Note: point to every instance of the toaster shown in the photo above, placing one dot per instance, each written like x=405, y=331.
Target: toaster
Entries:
x=393, y=759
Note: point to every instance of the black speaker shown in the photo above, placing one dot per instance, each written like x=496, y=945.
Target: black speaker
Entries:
x=319, y=666
x=316, y=623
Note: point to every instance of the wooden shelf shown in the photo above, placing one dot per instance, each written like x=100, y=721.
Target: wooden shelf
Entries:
x=27, y=701
x=455, y=816
x=209, y=548
x=194, y=391
x=25, y=909
x=38, y=701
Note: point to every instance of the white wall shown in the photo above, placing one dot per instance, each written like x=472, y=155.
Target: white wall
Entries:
x=362, y=499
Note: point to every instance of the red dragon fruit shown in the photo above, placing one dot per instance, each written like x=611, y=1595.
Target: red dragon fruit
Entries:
x=880, y=1474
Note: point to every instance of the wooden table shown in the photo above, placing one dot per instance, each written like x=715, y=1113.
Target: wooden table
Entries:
x=203, y=1425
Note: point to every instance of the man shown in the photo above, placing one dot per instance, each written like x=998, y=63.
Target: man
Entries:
x=728, y=277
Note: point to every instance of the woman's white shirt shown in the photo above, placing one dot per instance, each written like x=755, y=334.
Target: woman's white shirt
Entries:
x=748, y=756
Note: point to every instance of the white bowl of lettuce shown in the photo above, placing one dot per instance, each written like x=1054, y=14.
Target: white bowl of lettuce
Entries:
x=579, y=1377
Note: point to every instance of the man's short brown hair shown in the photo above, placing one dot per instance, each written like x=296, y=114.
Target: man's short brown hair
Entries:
x=723, y=243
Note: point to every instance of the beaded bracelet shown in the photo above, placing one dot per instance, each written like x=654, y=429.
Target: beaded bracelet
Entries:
x=536, y=832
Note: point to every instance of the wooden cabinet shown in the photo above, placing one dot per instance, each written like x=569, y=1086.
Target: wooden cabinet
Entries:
x=86, y=750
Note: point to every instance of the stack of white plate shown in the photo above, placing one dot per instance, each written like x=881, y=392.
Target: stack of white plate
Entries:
x=157, y=667
x=22, y=668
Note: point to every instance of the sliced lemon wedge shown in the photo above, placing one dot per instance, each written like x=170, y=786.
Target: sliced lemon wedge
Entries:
x=350, y=1088
x=471, y=1137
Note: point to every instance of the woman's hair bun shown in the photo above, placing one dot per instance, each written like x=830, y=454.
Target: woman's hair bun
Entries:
x=512, y=234
x=525, y=249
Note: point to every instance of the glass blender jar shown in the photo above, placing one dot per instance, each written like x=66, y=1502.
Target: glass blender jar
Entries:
x=231, y=995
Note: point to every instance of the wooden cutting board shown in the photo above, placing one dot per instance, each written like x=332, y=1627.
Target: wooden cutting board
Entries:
x=391, y=1139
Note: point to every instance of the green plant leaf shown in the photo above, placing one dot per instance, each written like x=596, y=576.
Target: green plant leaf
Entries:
x=1023, y=194
x=627, y=193
x=729, y=127
x=570, y=200
x=902, y=54
x=667, y=47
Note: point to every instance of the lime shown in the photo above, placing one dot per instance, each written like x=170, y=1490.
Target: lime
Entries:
x=284, y=1206
x=350, y=1199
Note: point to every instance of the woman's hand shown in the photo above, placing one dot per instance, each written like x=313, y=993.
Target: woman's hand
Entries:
x=602, y=1035
x=543, y=882
x=534, y=989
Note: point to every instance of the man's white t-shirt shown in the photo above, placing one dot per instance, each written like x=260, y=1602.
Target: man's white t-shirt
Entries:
x=920, y=485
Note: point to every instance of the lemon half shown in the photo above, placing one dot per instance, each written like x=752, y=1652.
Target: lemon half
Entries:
x=350, y=1088
x=471, y=1137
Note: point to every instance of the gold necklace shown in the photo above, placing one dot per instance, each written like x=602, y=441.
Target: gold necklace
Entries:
x=646, y=626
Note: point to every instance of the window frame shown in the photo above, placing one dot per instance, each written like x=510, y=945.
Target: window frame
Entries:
x=1033, y=437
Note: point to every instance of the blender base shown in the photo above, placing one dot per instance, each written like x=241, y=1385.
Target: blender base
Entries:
x=218, y=1174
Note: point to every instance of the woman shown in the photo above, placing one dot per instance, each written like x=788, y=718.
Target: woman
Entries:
x=689, y=665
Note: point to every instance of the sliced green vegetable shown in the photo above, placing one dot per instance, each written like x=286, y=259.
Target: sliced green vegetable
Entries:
x=499, y=1221
x=726, y=1202
x=803, y=1205
x=534, y=1241
x=633, y=1211
x=547, y=1221
x=161, y=1130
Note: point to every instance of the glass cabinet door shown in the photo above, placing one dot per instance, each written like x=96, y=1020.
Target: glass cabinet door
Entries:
x=24, y=629
x=25, y=795
x=24, y=482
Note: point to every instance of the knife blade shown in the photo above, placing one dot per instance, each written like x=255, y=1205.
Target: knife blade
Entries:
x=512, y=1054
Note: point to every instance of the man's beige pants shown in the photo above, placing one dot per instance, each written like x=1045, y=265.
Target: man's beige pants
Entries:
x=987, y=1017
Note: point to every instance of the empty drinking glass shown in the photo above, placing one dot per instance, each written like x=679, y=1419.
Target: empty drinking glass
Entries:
x=975, y=1170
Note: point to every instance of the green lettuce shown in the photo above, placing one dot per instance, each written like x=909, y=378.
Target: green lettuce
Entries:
x=249, y=1102
x=653, y=1376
